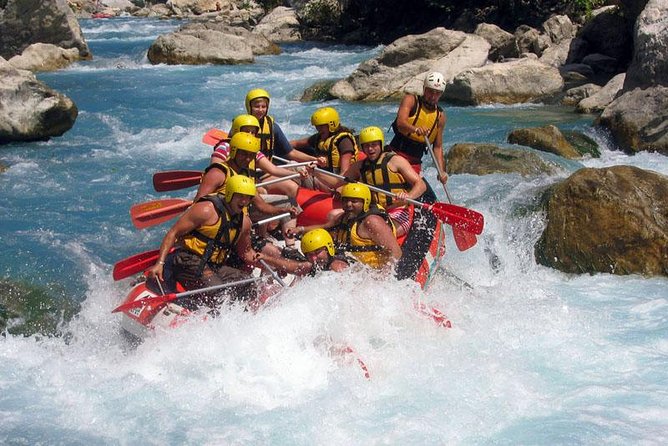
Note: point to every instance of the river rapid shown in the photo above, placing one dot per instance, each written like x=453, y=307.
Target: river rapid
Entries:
x=535, y=356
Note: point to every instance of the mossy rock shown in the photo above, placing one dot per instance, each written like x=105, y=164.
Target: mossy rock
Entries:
x=26, y=309
x=582, y=143
x=318, y=92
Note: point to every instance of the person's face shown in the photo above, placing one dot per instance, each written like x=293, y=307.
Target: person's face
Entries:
x=319, y=257
x=249, y=129
x=243, y=158
x=323, y=130
x=372, y=150
x=352, y=206
x=259, y=107
x=239, y=202
x=431, y=96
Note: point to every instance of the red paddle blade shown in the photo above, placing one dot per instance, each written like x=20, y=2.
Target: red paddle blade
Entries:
x=135, y=264
x=176, y=179
x=152, y=301
x=214, y=136
x=155, y=212
x=458, y=217
x=464, y=239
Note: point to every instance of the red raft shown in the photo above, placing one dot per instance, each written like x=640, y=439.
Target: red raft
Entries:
x=423, y=247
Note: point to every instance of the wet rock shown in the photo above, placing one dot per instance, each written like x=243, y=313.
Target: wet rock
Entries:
x=520, y=81
x=485, y=159
x=32, y=111
x=612, y=220
x=546, y=139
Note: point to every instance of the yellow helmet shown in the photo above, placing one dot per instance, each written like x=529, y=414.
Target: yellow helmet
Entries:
x=244, y=121
x=371, y=134
x=244, y=142
x=254, y=94
x=357, y=190
x=239, y=184
x=326, y=115
x=316, y=239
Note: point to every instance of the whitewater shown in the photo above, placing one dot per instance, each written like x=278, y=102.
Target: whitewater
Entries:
x=534, y=356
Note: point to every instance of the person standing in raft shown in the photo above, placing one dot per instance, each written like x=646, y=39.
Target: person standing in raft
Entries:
x=205, y=236
x=385, y=170
x=419, y=117
x=334, y=144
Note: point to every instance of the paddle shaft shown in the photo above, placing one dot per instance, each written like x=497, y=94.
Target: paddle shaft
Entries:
x=273, y=273
x=348, y=180
x=174, y=296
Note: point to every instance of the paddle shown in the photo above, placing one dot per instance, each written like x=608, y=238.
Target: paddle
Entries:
x=154, y=212
x=141, y=262
x=176, y=179
x=464, y=239
x=135, y=264
x=457, y=216
x=214, y=136
x=164, y=298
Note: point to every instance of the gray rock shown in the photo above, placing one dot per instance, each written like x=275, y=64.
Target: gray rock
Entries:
x=520, y=81
x=280, y=25
x=650, y=56
x=597, y=102
x=638, y=120
x=29, y=110
x=24, y=22
x=612, y=220
x=546, y=139
x=210, y=42
x=402, y=65
x=44, y=57
x=486, y=159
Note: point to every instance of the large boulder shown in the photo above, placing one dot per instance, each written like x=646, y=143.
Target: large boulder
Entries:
x=44, y=57
x=24, y=22
x=650, y=55
x=546, y=139
x=485, y=159
x=29, y=110
x=638, y=120
x=612, y=220
x=597, y=102
x=524, y=80
x=502, y=43
x=210, y=42
x=401, y=66
x=280, y=25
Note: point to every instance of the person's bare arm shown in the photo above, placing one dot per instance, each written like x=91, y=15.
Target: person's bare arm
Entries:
x=403, y=167
x=377, y=229
x=211, y=182
x=196, y=216
x=407, y=104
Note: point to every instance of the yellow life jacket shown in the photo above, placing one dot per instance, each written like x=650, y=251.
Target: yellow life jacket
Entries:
x=378, y=174
x=214, y=242
x=330, y=149
x=363, y=249
x=266, y=135
x=229, y=172
x=413, y=145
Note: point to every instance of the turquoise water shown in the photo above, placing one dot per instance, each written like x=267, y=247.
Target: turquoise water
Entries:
x=534, y=356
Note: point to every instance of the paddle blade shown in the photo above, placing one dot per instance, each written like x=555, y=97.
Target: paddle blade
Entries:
x=214, y=136
x=135, y=264
x=155, y=212
x=463, y=239
x=176, y=179
x=458, y=217
x=152, y=301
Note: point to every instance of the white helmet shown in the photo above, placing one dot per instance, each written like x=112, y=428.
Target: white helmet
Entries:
x=435, y=81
